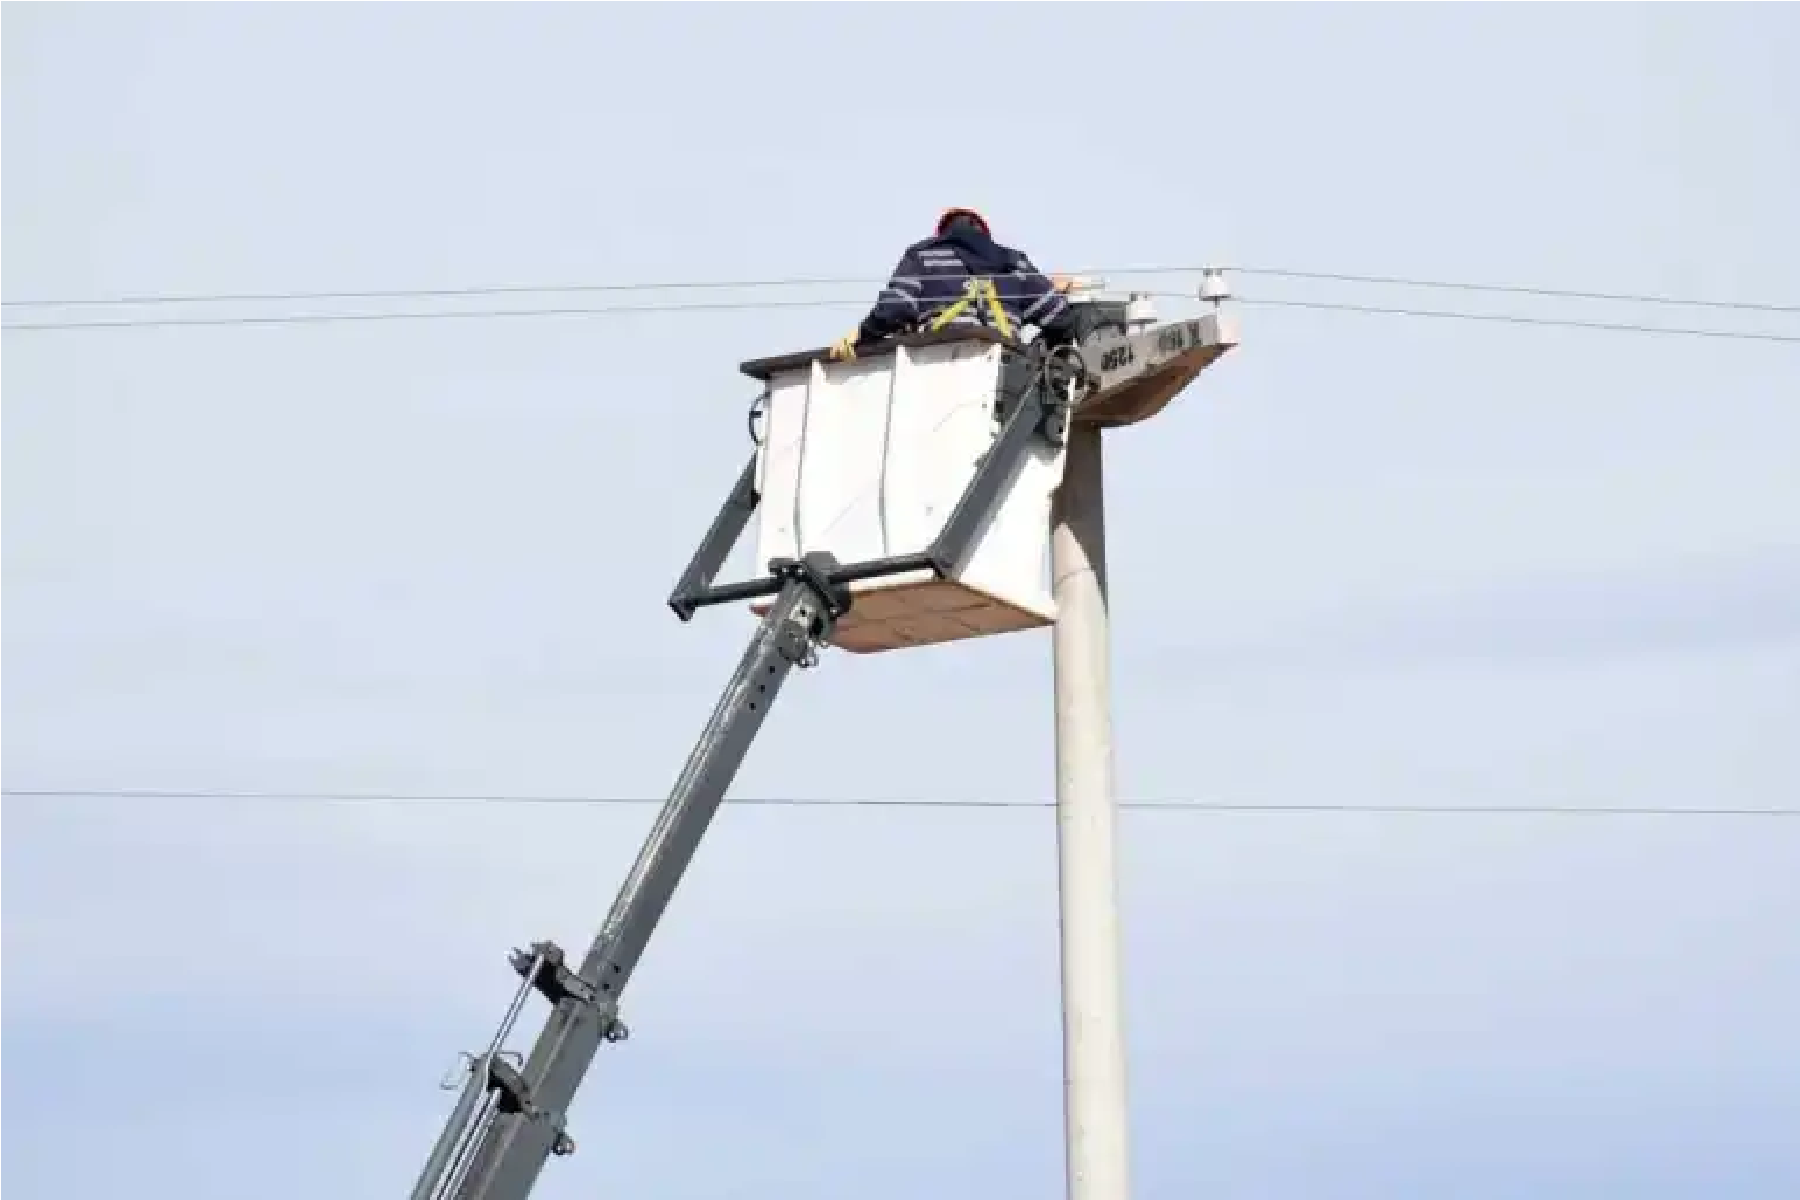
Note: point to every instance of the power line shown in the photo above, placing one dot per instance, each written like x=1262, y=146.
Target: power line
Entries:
x=488, y=290
x=449, y=293
x=844, y=302
x=1516, y=319
x=1509, y=289
x=1189, y=805
x=601, y=310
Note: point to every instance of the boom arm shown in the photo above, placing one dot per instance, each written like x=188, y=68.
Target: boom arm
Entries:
x=510, y=1119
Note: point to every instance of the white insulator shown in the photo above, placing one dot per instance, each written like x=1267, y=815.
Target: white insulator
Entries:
x=1213, y=288
x=1140, y=311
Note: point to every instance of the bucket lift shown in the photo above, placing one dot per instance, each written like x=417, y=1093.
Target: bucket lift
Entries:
x=903, y=501
x=930, y=465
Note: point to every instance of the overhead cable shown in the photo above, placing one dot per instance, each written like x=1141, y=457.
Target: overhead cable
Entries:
x=1172, y=805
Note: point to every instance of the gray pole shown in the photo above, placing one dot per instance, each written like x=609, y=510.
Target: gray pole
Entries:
x=1094, y=1093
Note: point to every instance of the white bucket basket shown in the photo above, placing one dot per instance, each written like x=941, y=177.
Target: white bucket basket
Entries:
x=867, y=459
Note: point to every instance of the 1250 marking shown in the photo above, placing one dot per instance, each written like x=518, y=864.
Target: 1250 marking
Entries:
x=1118, y=356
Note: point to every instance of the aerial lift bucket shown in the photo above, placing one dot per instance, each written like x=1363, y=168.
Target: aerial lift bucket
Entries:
x=866, y=459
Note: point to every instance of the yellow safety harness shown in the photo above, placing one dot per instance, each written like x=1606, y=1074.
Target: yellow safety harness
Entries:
x=979, y=289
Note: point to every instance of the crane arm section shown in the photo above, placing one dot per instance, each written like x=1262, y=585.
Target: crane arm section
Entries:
x=511, y=1115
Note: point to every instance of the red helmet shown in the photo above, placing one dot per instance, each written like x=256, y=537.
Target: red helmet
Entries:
x=950, y=214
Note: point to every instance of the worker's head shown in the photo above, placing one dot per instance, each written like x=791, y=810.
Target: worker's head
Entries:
x=956, y=216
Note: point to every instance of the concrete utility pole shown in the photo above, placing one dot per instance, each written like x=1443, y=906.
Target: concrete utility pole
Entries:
x=1094, y=1094
x=1141, y=374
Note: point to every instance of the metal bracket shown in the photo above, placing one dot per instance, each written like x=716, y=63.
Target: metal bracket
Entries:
x=514, y=1092
x=816, y=571
x=544, y=967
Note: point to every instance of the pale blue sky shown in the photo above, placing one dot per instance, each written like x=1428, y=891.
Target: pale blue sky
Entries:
x=1373, y=561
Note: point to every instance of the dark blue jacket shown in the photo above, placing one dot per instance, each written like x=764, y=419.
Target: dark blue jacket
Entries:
x=935, y=273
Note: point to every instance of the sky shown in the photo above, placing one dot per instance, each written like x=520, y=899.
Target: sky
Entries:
x=1368, y=560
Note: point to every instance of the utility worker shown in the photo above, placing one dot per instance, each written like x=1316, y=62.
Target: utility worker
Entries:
x=962, y=276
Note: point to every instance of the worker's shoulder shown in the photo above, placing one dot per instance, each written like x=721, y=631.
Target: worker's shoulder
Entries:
x=1015, y=259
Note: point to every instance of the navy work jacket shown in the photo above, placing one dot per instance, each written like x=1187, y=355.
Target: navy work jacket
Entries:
x=934, y=274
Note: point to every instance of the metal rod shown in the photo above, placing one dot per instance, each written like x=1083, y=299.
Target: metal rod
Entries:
x=879, y=568
x=728, y=525
x=516, y=1007
x=751, y=589
x=483, y=1116
x=434, y=1180
x=1094, y=1093
x=449, y=1158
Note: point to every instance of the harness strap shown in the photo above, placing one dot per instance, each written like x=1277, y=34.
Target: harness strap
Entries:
x=977, y=291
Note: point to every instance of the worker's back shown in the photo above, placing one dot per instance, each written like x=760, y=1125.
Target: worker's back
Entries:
x=943, y=266
x=931, y=285
x=961, y=275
